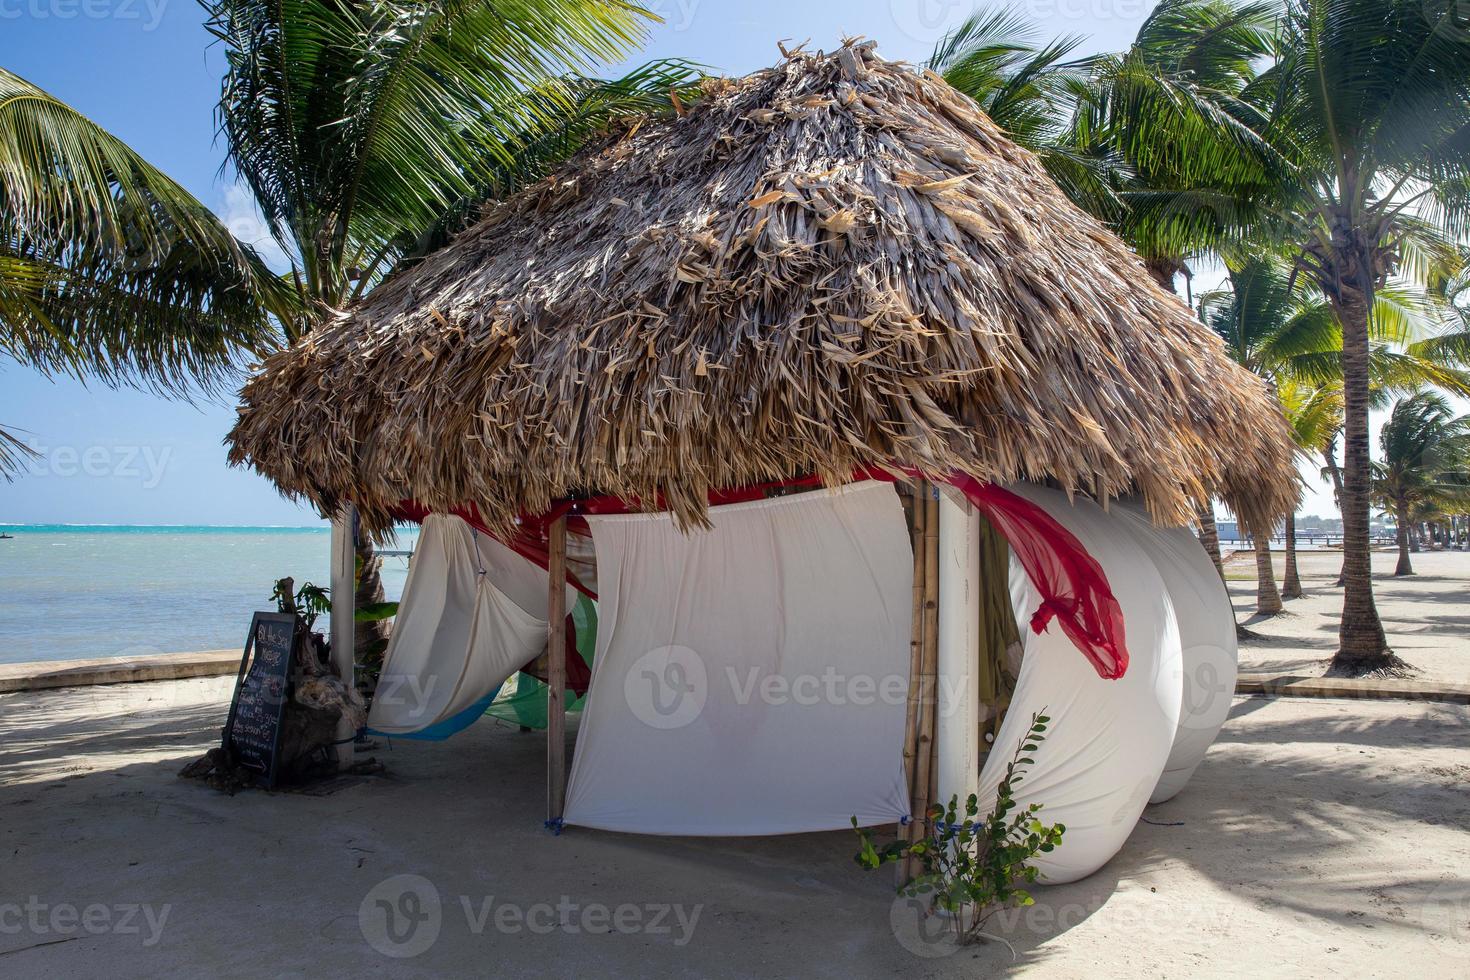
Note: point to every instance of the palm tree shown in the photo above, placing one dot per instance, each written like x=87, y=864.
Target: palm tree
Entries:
x=1290, y=337
x=1187, y=159
x=1031, y=91
x=1170, y=109
x=1314, y=416
x=1426, y=465
x=1155, y=141
x=108, y=269
x=366, y=131
x=1370, y=101
x=358, y=126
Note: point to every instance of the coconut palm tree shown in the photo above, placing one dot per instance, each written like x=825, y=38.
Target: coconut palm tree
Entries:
x=1425, y=468
x=1155, y=141
x=1370, y=102
x=1188, y=161
x=1277, y=328
x=1170, y=108
x=367, y=130
x=1314, y=415
x=109, y=270
x=357, y=126
x=1031, y=90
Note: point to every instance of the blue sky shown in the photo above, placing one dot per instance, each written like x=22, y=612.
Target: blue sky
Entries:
x=144, y=69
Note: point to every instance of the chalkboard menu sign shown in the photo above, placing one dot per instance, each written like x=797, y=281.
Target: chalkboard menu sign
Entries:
x=253, y=731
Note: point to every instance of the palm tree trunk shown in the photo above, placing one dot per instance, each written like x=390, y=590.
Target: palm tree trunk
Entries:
x=369, y=639
x=1209, y=536
x=1164, y=271
x=1268, y=599
x=1405, y=567
x=1416, y=535
x=1291, y=583
x=1362, y=645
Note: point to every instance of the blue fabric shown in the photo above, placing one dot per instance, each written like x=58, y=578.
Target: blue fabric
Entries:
x=454, y=724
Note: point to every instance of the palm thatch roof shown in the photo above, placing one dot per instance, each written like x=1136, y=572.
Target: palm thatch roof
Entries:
x=834, y=263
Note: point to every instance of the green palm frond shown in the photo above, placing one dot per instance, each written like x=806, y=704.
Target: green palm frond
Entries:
x=1313, y=413
x=1026, y=87
x=596, y=107
x=1288, y=334
x=1426, y=457
x=354, y=122
x=14, y=454
x=1172, y=107
x=110, y=270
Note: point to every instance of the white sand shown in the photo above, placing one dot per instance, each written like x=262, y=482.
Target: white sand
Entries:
x=1319, y=838
x=1426, y=615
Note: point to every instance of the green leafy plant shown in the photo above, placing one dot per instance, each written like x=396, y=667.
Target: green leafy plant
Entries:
x=308, y=602
x=973, y=867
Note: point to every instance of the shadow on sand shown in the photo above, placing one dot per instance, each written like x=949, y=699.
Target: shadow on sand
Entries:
x=93, y=808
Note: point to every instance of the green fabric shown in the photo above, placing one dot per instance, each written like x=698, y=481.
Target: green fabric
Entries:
x=522, y=699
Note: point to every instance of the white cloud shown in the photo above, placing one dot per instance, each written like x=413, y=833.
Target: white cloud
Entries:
x=243, y=219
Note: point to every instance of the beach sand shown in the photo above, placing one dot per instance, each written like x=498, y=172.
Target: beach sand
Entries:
x=1426, y=615
x=1319, y=837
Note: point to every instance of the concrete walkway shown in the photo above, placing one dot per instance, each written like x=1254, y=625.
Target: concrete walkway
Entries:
x=39, y=675
x=36, y=676
x=1298, y=686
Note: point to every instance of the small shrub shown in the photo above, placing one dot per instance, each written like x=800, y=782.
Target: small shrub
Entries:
x=975, y=868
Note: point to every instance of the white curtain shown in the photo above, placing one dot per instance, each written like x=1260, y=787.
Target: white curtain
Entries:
x=1207, y=633
x=472, y=613
x=1108, y=739
x=750, y=678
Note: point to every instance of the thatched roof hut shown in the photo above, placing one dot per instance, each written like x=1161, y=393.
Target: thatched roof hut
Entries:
x=835, y=263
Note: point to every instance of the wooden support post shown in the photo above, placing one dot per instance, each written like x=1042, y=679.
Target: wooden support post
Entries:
x=930, y=706
x=344, y=591
x=957, y=728
x=916, y=511
x=556, y=670
x=926, y=620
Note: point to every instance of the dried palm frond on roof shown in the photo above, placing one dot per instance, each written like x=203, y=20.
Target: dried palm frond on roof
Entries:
x=834, y=263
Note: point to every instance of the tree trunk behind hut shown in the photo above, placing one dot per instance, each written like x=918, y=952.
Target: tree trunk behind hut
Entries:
x=1268, y=597
x=1291, y=583
x=1209, y=536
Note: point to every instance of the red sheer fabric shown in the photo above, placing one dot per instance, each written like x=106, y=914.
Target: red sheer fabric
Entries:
x=1073, y=587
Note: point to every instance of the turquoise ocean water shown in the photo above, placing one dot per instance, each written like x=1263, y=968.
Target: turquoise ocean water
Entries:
x=75, y=591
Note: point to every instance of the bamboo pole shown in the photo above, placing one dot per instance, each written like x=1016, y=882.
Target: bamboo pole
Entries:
x=916, y=512
x=926, y=569
x=930, y=717
x=556, y=670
